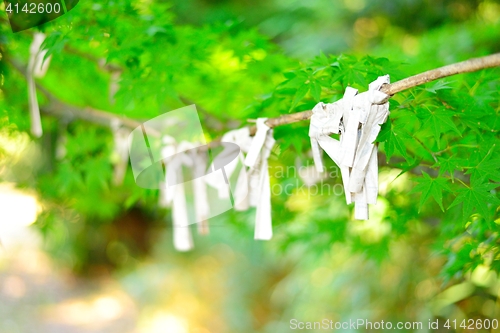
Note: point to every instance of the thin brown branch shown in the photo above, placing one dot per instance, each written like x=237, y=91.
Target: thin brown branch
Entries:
x=66, y=111
x=61, y=109
x=470, y=65
x=102, y=117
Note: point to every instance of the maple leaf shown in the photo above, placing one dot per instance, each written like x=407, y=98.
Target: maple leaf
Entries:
x=299, y=95
x=478, y=195
x=449, y=165
x=487, y=169
x=316, y=90
x=395, y=138
x=431, y=187
x=439, y=85
x=439, y=121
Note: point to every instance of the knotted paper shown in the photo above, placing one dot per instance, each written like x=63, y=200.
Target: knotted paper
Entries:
x=357, y=117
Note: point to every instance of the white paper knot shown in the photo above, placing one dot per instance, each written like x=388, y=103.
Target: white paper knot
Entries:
x=358, y=118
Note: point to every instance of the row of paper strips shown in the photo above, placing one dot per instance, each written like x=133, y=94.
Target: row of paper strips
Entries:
x=252, y=187
x=356, y=117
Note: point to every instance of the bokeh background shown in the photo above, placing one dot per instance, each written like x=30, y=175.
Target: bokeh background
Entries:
x=82, y=254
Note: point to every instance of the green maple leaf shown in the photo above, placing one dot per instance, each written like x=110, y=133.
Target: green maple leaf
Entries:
x=449, y=165
x=316, y=90
x=299, y=95
x=439, y=85
x=439, y=121
x=351, y=71
x=294, y=80
x=395, y=138
x=431, y=187
x=488, y=168
x=477, y=196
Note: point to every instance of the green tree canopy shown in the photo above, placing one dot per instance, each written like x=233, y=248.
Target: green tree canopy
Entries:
x=439, y=151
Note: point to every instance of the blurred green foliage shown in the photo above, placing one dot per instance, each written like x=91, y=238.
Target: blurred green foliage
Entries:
x=436, y=226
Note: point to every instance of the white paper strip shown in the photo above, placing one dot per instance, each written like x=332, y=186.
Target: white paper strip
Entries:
x=361, y=206
x=347, y=143
x=318, y=120
x=202, y=208
x=121, y=151
x=257, y=142
x=371, y=179
x=260, y=192
x=242, y=138
x=175, y=193
x=377, y=115
x=241, y=200
x=36, y=68
x=263, y=220
x=358, y=118
x=318, y=161
x=40, y=66
x=183, y=240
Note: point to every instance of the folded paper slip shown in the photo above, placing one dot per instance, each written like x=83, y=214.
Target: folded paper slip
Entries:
x=260, y=187
x=357, y=117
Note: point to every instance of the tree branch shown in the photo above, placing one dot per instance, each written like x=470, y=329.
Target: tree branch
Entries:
x=470, y=65
x=69, y=112
x=112, y=68
x=101, y=117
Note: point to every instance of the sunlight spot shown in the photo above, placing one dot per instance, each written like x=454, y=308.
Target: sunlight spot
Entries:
x=258, y=54
x=32, y=261
x=16, y=207
x=452, y=295
x=489, y=11
x=482, y=276
x=18, y=210
x=165, y=322
x=94, y=312
x=298, y=201
x=108, y=308
x=225, y=61
x=389, y=181
x=76, y=312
